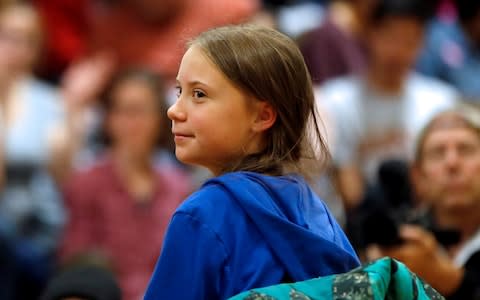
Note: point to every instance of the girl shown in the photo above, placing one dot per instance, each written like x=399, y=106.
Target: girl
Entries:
x=244, y=105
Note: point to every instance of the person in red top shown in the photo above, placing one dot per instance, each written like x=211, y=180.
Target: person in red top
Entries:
x=153, y=33
x=149, y=33
x=120, y=207
x=66, y=23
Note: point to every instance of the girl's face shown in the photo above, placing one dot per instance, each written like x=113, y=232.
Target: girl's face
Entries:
x=214, y=122
x=133, y=121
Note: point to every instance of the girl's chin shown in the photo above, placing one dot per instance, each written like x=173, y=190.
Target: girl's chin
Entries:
x=184, y=159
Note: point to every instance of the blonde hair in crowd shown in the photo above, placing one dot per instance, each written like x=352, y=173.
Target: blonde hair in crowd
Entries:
x=462, y=116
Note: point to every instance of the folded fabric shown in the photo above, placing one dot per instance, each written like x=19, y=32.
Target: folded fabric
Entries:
x=385, y=278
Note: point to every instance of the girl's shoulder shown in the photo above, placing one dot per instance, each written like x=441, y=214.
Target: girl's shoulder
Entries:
x=212, y=208
x=218, y=196
x=207, y=202
x=225, y=196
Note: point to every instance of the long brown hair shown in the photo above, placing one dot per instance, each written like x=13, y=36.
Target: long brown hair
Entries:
x=269, y=66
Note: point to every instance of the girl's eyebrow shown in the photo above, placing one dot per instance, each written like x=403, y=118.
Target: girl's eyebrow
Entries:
x=194, y=82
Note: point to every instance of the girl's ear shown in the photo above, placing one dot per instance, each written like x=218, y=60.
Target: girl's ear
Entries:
x=266, y=116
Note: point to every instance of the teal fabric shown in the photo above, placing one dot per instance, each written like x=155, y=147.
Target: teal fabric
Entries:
x=385, y=278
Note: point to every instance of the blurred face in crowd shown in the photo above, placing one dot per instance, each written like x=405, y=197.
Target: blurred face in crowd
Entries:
x=133, y=123
x=394, y=43
x=364, y=7
x=449, y=171
x=20, y=39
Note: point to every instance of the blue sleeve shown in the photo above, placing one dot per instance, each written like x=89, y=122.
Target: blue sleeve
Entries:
x=191, y=263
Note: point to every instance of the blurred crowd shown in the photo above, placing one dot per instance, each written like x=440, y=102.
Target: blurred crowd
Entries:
x=88, y=178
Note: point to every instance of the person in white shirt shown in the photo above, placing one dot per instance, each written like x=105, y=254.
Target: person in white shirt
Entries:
x=376, y=116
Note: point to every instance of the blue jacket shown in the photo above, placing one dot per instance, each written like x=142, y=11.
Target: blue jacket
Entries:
x=244, y=230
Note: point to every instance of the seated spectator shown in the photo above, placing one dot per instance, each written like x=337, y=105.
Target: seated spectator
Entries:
x=32, y=157
x=120, y=207
x=67, y=25
x=152, y=33
x=452, y=50
x=446, y=173
x=147, y=33
x=376, y=116
x=336, y=48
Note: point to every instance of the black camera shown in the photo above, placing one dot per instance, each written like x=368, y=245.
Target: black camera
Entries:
x=389, y=204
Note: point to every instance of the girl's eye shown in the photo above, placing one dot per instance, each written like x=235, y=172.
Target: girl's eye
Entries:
x=198, y=94
x=178, y=91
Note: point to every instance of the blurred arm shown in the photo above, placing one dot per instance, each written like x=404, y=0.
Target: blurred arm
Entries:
x=350, y=185
x=422, y=254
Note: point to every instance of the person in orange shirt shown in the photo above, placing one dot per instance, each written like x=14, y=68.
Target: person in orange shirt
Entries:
x=153, y=33
x=140, y=33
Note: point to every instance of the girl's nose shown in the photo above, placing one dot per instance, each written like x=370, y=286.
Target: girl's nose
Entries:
x=176, y=113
